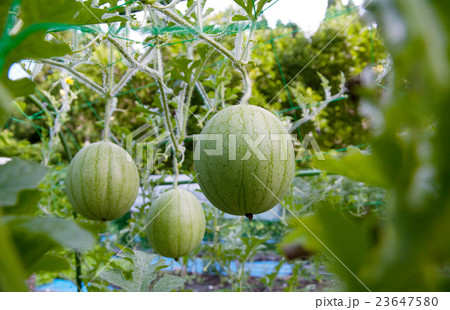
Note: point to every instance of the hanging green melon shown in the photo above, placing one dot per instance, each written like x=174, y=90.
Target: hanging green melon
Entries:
x=102, y=181
x=176, y=223
x=244, y=179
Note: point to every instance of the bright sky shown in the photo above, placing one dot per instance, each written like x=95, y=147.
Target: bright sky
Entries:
x=306, y=13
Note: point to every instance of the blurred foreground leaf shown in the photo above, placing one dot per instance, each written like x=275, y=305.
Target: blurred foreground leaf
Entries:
x=35, y=236
x=16, y=176
x=345, y=241
x=355, y=165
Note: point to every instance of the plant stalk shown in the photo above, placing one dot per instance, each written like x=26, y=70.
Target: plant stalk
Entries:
x=247, y=44
x=77, y=255
x=207, y=39
x=175, y=171
x=65, y=146
x=190, y=93
x=78, y=271
x=164, y=101
x=157, y=75
x=109, y=100
x=97, y=88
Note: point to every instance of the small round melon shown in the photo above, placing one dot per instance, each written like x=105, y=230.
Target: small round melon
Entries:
x=102, y=181
x=176, y=223
x=256, y=166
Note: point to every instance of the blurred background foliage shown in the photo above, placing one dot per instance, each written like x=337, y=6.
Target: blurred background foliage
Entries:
x=274, y=60
x=382, y=211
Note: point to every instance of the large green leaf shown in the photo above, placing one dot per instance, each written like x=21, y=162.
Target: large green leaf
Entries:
x=27, y=202
x=143, y=272
x=5, y=5
x=16, y=176
x=38, y=17
x=345, y=241
x=12, y=275
x=35, y=236
x=64, y=11
x=63, y=232
x=50, y=263
x=355, y=165
x=168, y=283
x=18, y=88
x=116, y=278
x=33, y=46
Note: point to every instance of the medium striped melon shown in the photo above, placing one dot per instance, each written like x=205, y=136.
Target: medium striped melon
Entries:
x=176, y=223
x=102, y=181
x=256, y=166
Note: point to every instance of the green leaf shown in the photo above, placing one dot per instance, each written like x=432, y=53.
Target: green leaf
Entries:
x=88, y=15
x=261, y=4
x=5, y=104
x=143, y=271
x=11, y=270
x=35, y=236
x=26, y=204
x=247, y=5
x=33, y=46
x=65, y=12
x=346, y=241
x=252, y=245
x=116, y=278
x=168, y=283
x=16, y=176
x=325, y=83
x=94, y=227
x=237, y=18
x=144, y=110
x=182, y=68
x=203, y=51
x=63, y=232
x=5, y=5
x=20, y=87
x=50, y=263
x=355, y=165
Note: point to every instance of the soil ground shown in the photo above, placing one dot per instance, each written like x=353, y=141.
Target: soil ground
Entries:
x=214, y=283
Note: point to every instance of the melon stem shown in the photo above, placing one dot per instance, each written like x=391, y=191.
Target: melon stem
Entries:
x=108, y=101
x=175, y=171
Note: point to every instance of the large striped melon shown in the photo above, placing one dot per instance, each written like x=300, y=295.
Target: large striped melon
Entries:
x=102, y=181
x=244, y=179
x=176, y=223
